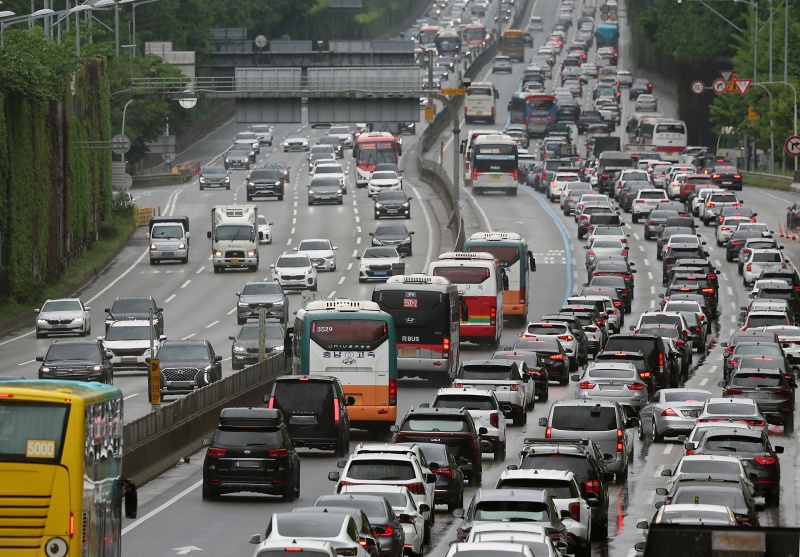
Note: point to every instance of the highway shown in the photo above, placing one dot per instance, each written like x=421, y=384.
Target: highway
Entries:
x=200, y=304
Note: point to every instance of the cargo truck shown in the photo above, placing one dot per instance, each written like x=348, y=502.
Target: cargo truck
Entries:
x=234, y=237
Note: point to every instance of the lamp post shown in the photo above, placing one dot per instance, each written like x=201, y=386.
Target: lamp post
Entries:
x=794, y=105
x=116, y=4
x=76, y=10
x=133, y=17
x=5, y=14
x=771, y=128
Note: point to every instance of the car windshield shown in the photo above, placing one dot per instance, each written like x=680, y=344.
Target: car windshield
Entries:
x=388, y=196
x=329, y=169
x=465, y=401
x=373, y=253
x=733, y=498
x=130, y=305
x=262, y=220
x=706, y=516
x=314, y=245
x=271, y=332
x=121, y=331
x=183, y=352
x=62, y=305
x=214, y=171
x=391, y=230
x=498, y=511
x=261, y=129
x=384, y=175
x=734, y=444
x=73, y=352
x=610, y=373
x=324, y=183
x=380, y=470
x=433, y=423
x=293, y=262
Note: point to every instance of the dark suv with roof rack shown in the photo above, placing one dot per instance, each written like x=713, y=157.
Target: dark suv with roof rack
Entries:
x=583, y=458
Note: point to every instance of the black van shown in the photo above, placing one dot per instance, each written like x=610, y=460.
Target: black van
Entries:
x=652, y=347
x=315, y=410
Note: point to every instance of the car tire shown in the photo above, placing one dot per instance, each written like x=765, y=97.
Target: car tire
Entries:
x=634, y=219
x=601, y=533
x=426, y=537
x=657, y=438
x=240, y=321
x=788, y=422
x=342, y=448
x=622, y=477
x=500, y=452
x=280, y=198
x=202, y=188
x=640, y=432
x=208, y=494
x=153, y=261
x=362, y=280
x=564, y=379
x=519, y=418
x=184, y=260
x=543, y=397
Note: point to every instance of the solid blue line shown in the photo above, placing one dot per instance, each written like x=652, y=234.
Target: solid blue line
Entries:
x=564, y=236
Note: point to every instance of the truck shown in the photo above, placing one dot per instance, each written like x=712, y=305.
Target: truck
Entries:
x=169, y=239
x=234, y=237
x=607, y=34
x=605, y=143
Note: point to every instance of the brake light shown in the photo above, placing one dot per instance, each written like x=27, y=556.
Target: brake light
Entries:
x=277, y=453
x=392, y=392
x=585, y=385
x=575, y=510
x=710, y=204
x=566, y=337
x=493, y=316
x=745, y=520
x=635, y=387
x=737, y=176
x=556, y=356
x=417, y=488
x=446, y=348
x=732, y=392
x=749, y=267
x=661, y=362
x=271, y=402
x=712, y=276
x=522, y=294
x=514, y=387
x=548, y=432
x=494, y=419
x=765, y=460
x=443, y=472
x=592, y=486
x=385, y=532
x=620, y=441
x=669, y=412
x=652, y=223
x=715, y=175
x=755, y=423
x=216, y=451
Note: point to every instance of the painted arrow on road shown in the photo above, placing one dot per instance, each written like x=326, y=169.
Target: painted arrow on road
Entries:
x=186, y=550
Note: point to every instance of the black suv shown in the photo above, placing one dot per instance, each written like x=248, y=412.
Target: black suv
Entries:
x=267, y=294
x=244, y=350
x=77, y=360
x=651, y=347
x=251, y=451
x=265, y=182
x=447, y=426
x=583, y=458
x=135, y=307
x=315, y=409
x=187, y=365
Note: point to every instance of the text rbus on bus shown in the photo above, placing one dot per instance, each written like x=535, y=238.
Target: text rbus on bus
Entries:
x=370, y=149
x=61, y=464
x=667, y=136
x=354, y=341
x=480, y=282
x=535, y=111
x=494, y=164
x=512, y=44
x=511, y=250
x=475, y=35
x=427, y=315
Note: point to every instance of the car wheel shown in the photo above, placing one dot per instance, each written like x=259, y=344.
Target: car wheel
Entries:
x=544, y=396
x=153, y=261
x=564, y=379
x=208, y=494
x=657, y=438
x=288, y=495
x=280, y=198
x=426, y=538
x=500, y=452
x=640, y=431
x=202, y=188
x=788, y=422
x=635, y=219
x=362, y=280
x=622, y=477
x=249, y=197
x=313, y=288
x=184, y=260
x=342, y=448
x=519, y=418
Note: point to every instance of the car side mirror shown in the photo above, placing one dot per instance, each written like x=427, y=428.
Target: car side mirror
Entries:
x=566, y=515
x=430, y=478
x=778, y=449
x=542, y=422
x=690, y=445
x=206, y=442
x=575, y=378
x=458, y=513
x=721, y=384
x=483, y=431
x=661, y=491
x=255, y=539
x=394, y=429
x=667, y=473
x=333, y=476
x=643, y=525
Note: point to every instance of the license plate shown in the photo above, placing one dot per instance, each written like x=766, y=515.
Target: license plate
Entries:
x=234, y=260
x=128, y=360
x=408, y=352
x=168, y=253
x=495, y=177
x=246, y=464
x=391, y=211
x=610, y=388
x=380, y=273
x=727, y=182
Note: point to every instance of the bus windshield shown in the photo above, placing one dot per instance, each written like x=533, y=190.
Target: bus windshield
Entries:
x=474, y=35
x=495, y=158
x=335, y=334
x=671, y=128
x=375, y=153
x=30, y=431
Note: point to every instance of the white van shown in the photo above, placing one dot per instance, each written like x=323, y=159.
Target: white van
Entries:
x=481, y=102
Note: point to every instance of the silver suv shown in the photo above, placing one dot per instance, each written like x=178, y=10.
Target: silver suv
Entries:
x=601, y=421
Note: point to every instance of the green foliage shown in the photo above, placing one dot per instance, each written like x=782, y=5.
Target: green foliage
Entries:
x=32, y=66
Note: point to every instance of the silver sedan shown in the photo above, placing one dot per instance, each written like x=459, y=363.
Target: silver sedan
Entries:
x=614, y=381
x=66, y=315
x=603, y=247
x=671, y=412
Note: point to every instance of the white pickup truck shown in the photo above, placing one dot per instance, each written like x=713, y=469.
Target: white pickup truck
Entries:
x=508, y=379
x=485, y=411
x=563, y=488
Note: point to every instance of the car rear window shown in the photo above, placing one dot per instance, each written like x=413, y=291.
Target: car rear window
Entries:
x=734, y=443
x=558, y=489
x=584, y=418
x=489, y=373
x=682, y=396
x=546, y=329
x=611, y=373
x=652, y=195
x=730, y=408
x=709, y=466
x=468, y=402
x=379, y=470
x=373, y=509
x=577, y=464
x=769, y=257
x=435, y=423
x=499, y=511
x=303, y=397
x=728, y=497
x=757, y=321
x=323, y=526
x=238, y=437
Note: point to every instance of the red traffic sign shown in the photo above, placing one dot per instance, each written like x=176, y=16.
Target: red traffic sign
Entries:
x=604, y=16
x=792, y=146
x=742, y=85
x=719, y=85
x=698, y=87
x=612, y=16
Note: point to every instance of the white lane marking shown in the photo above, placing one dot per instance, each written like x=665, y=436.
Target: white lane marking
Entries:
x=719, y=356
x=355, y=210
x=480, y=210
x=652, y=289
x=733, y=319
x=212, y=324
x=231, y=311
x=651, y=495
x=185, y=284
x=166, y=505
x=130, y=396
x=358, y=219
x=168, y=300
x=294, y=221
x=200, y=270
x=652, y=304
x=636, y=236
x=289, y=242
x=730, y=291
x=292, y=231
x=341, y=280
x=358, y=229
x=349, y=266
x=641, y=247
x=775, y=197
x=187, y=337
x=649, y=275
x=703, y=381
x=668, y=449
x=733, y=305
x=712, y=369
x=331, y=294
x=355, y=253
x=358, y=240
x=717, y=263
x=26, y=363
x=646, y=262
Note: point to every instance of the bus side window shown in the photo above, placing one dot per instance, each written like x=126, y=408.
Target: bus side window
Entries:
x=532, y=262
x=464, y=308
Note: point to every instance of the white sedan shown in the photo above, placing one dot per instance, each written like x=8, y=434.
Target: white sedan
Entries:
x=265, y=230
x=384, y=180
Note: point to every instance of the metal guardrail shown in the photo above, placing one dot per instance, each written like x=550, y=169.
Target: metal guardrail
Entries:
x=776, y=177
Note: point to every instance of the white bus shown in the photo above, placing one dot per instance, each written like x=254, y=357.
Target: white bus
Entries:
x=494, y=164
x=480, y=102
x=667, y=135
x=480, y=281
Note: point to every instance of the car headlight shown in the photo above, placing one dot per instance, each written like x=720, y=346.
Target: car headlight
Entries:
x=251, y=184
x=228, y=160
x=406, y=241
x=339, y=191
x=97, y=368
x=227, y=178
x=216, y=253
x=152, y=247
x=362, y=267
x=46, y=369
x=181, y=246
x=78, y=319
x=243, y=305
x=379, y=206
x=41, y=321
x=202, y=180
x=239, y=349
x=252, y=253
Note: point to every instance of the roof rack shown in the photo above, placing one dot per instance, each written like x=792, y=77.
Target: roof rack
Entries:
x=417, y=279
x=463, y=255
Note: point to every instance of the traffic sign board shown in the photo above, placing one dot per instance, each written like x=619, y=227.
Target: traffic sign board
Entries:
x=612, y=16
x=719, y=85
x=792, y=145
x=742, y=85
x=430, y=112
x=726, y=74
x=604, y=16
x=731, y=87
x=698, y=87
x=604, y=8
x=453, y=92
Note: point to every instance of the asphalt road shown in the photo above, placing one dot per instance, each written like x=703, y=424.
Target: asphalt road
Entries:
x=197, y=303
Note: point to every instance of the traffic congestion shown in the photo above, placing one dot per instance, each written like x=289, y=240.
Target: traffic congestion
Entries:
x=585, y=365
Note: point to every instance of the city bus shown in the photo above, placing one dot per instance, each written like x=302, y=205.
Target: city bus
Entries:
x=61, y=469
x=448, y=42
x=427, y=316
x=512, y=44
x=511, y=250
x=535, y=111
x=475, y=35
x=480, y=282
x=731, y=146
x=427, y=35
x=668, y=136
x=370, y=149
x=466, y=149
x=494, y=163
x=353, y=340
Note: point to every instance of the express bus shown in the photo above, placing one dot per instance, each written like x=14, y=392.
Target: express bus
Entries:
x=494, y=163
x=511, y=250
x=427, y=35
x=480, y=281
x=353, y=340
x=370, y=149
x=535, y=111
x=61, y=469
x=427, y=314
x=475, y=35
x=512, y=44
x=731, y=145
x=466, y=148
x=448, y=42
x=668, y=136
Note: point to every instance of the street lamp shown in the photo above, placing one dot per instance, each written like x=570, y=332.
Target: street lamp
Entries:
x=794, y=106
x=4, y=15
x=76, y=10
x=116, y=3
x=771, y=129
x=133, y=17
x=38, y=13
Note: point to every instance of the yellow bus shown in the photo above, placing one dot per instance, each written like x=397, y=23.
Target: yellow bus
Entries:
x=512, y=44
x=61, y=483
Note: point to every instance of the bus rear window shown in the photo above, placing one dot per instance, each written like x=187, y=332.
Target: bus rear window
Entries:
x=32, y=432
x=340, y=331
x=480, y=91
x=507, y=255
x=671, y=128
x=463, y=275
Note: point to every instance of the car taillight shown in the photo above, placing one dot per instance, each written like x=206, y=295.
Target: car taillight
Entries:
x=592, y=486
x=585, y=385
x=749, y=267
x=566, y=337
x=640, y=201
x=384, y=532
x=745, y=520
x=575, y=510
x=712, y=276
x=669, y=412
x=271, y=402
x=733, y=392
x=556, y=356
x=715, y=175
x=216, y=451
x=754, y=423
x=635, y=386
x=680, y=343
x=591, y=253
x=652, y=223
x=765, y=460
x=463, y=534
x=710, y=204
x=514, y=387
x=417, y=488
x=392, y=392
x=522, y=294
x=446, y=348
x=494, y=419
x=277, y=453
x=620, y=441
x=548, y=432
x=555, y=535
x=443, y=472
x=493, y=316
x=617, y=303
x=736, y=243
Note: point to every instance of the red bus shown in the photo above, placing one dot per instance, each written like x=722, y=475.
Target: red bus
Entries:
x=475, y=35
x=373, y=148
x=427, y=35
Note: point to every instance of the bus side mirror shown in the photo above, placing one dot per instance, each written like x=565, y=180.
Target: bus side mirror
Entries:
x=131, y=498
x=464, y=309
x=505, y=280
x=532, y=262
x=462, y=146
x=287, y=342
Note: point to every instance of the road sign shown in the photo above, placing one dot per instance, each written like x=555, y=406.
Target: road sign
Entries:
x=719, y=85
x=726, y=75
x=604, y=8
x=742, y=85
x=731, y=87
x=155, y=382
x=453, y=92
x=792, y=146
x=120, y=144
x=612, y=16
x=430, y=112
x=604, y=16
x=698, y=87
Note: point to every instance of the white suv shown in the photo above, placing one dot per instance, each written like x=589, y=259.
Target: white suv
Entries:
x=646, y=200
x=759, y=260
x=321, y=252
x=294, y=271
x=559, y=183
x=129, y=341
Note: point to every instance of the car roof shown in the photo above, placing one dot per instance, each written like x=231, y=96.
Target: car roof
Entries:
x=565, y=475
x=516, y=494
